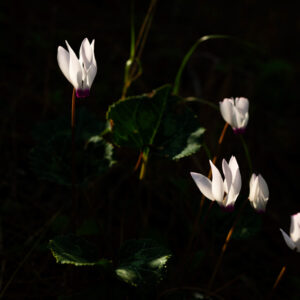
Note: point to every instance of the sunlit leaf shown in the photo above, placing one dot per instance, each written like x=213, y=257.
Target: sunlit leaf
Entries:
x=157, y=120
x=136, y=119
x=180, y=133
x=70, y=249
x=142, y=262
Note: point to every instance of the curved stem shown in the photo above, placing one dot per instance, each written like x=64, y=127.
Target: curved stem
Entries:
x=189, y=54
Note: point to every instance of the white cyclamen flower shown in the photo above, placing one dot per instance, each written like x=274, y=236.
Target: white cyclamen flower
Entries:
x=215, y=189
x=235, y=113
x=80, y=72
x=293, y=241
x=259, y=193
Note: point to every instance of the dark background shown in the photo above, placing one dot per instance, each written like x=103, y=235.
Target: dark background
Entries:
x=33, y=89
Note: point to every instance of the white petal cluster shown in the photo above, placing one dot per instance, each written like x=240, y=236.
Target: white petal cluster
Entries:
x=224, y=192
x=80, y=72
x=259, y=193
x=235, y=113
x=293, y=240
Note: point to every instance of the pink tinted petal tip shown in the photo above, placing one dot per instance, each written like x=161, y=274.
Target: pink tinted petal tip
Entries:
x=260, y=211
x=239, y=130
x=229, y=208
x=82, y=93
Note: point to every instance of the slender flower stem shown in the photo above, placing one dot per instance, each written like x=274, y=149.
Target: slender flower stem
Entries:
x=281, y=273
x=246, y=152
x=133, y=67
x=225, y=245
x=279, y=277
x=145, y=155
x=196, y=223
x=73, y=146
x=138, y=161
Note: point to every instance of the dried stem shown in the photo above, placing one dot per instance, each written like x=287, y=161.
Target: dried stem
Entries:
x=281, y=273
x=225, y=245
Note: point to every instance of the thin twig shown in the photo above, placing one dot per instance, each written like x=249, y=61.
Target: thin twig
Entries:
x=281, y=273
x=225, y=245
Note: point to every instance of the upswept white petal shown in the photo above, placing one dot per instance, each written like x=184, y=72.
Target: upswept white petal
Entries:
x=264, y=190
x=93, y=49
x=86, y=54
x=259, y=192
x=227, y=175
x=217, y=183
x=295, y=229
x=235, y=112
x=288, y=240
x=204, y=185
x=226, y=108
x=75, y=69
x=236, y=175
x=63, y=59
x=246, y=119
x=242, y=104
x=87, y=58
x=238, y=119
x=91, y=74
x=231, y=197
x=253, y=186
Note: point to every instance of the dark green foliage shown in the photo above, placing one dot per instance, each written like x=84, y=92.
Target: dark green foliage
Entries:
x=180, y=134
x=142, y=262
x=136, y=119
x=70, y=249
x=219, y=222
x=157, y=120
x=51, y=158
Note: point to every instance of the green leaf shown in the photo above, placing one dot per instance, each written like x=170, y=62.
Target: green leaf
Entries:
x=180, y=134
x=158, y=120
x=136, y=119
x=142, y=262
x=248, y=225
x=70, y=249
x=88, y=227
x=51, y=158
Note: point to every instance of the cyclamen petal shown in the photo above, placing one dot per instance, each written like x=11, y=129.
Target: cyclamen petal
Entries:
x=226, y=108
x=80, y=72
x=295, y=229
x=228, y=176
x=288, y=240
x=293, y=241
x=259, y=193
x=86, y=53
x=75, y=70
x=63, y=58
x=214, y=190
x=217, y=183
x=235, y=113
x=204, y=185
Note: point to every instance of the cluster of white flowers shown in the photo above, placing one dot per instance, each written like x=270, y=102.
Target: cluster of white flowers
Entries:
x=231, y=185
x=225, y=192
x=81, y=73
